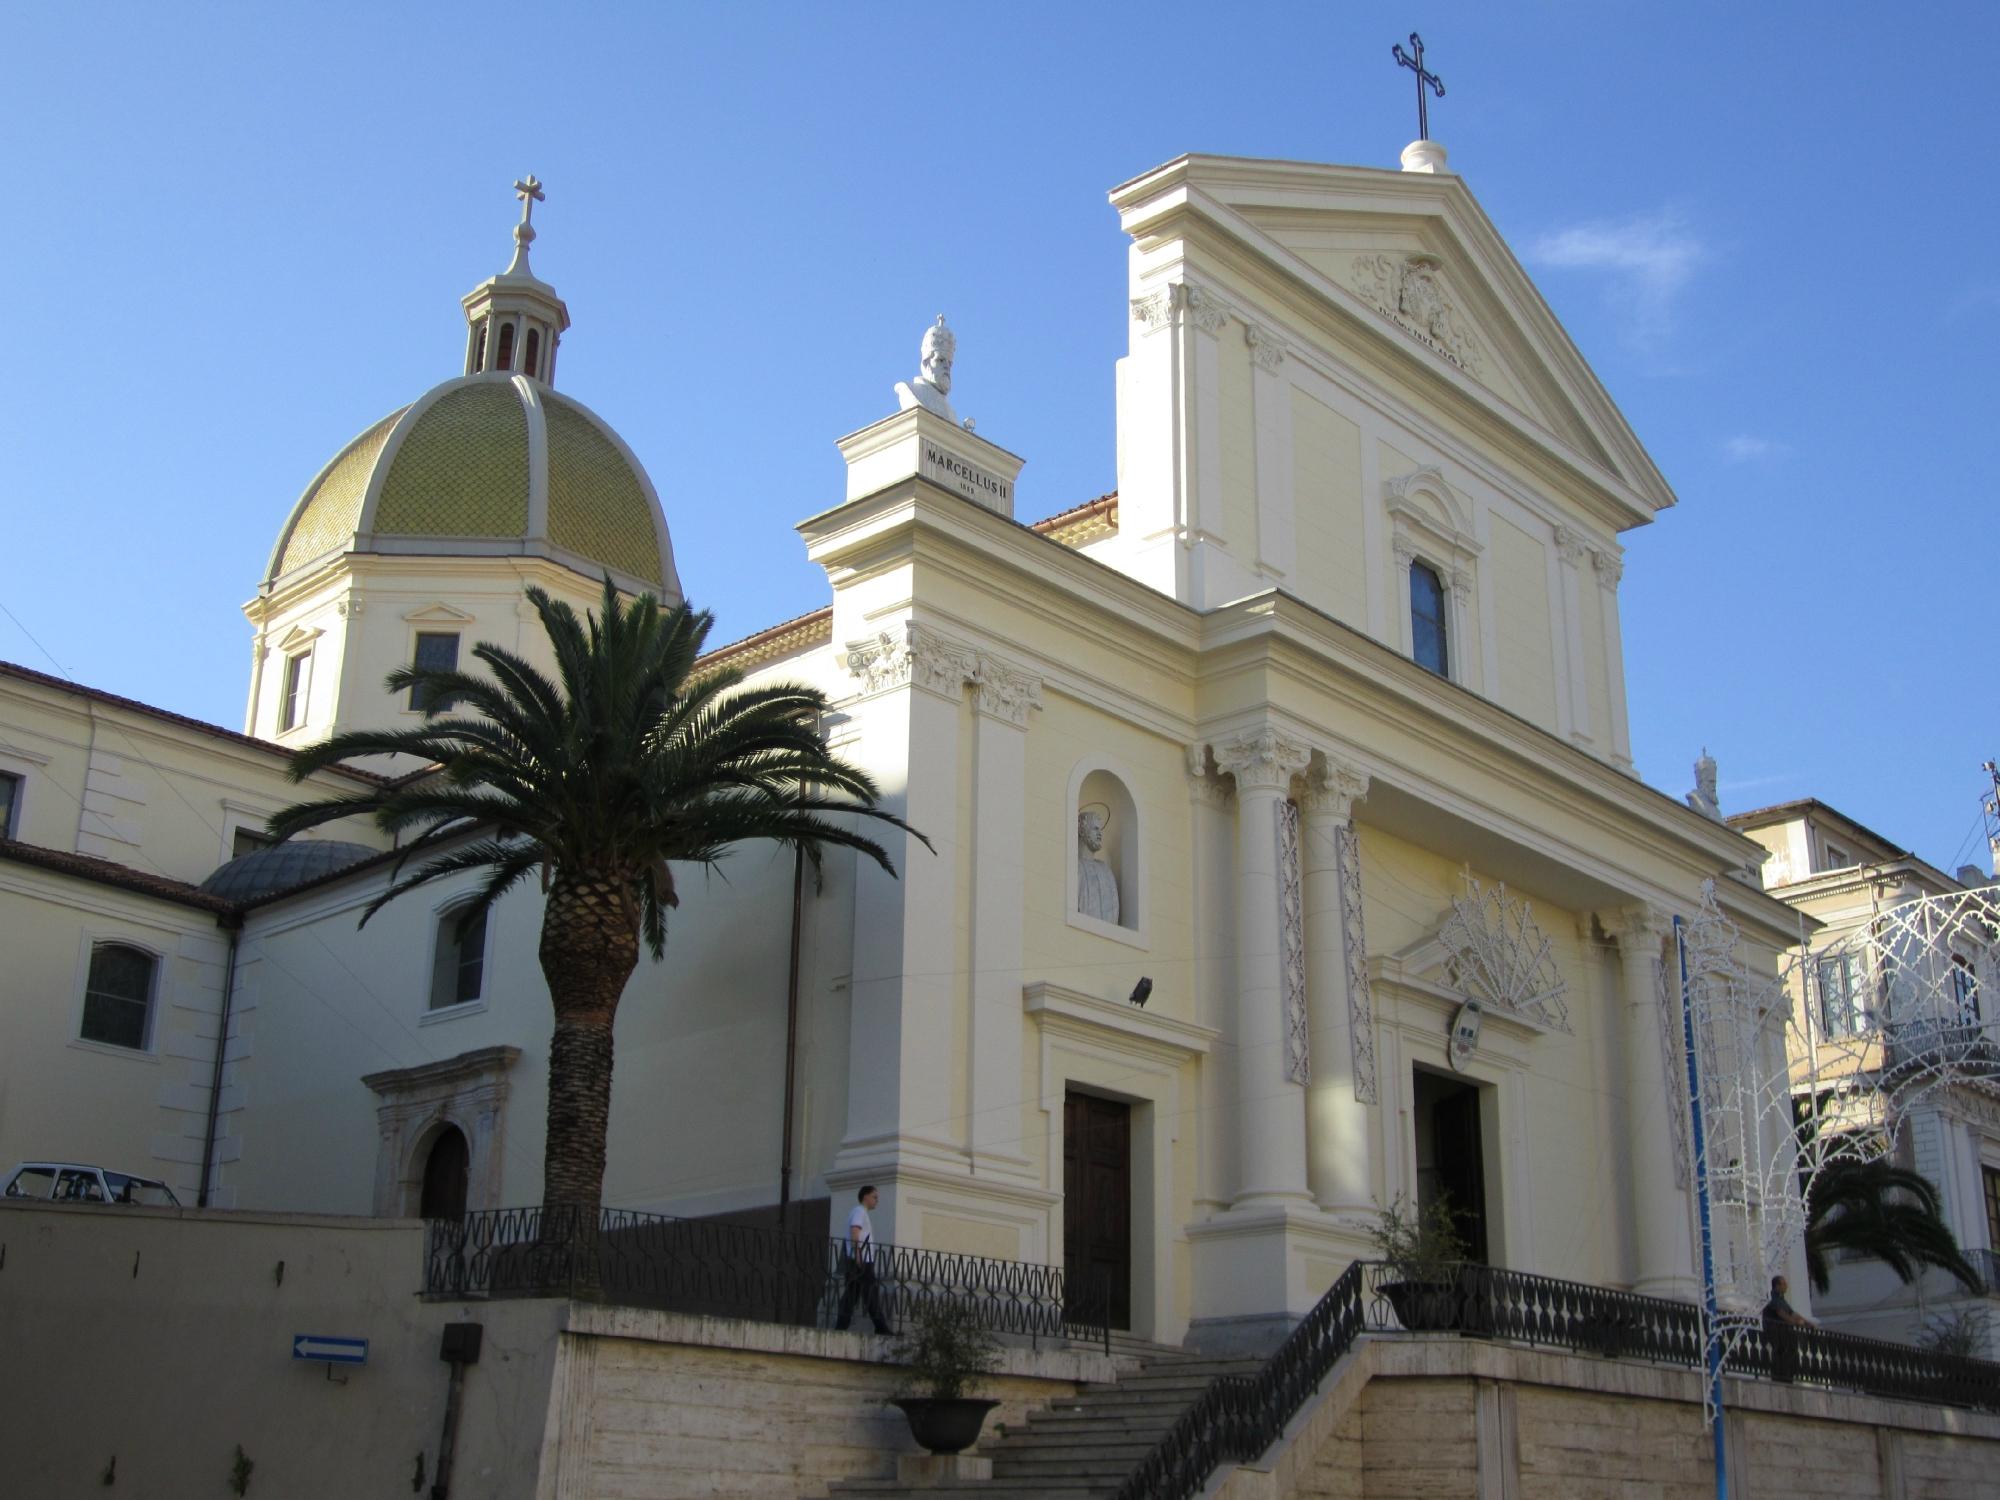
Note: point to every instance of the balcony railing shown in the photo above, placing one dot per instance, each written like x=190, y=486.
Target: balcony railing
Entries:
x=743, y=1271
x=1238, y=1417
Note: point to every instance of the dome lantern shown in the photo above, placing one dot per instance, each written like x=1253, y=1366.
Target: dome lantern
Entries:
x=515, y=320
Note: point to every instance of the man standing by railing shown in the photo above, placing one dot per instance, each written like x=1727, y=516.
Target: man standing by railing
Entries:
x=1780, y=1323
x=858, y=1264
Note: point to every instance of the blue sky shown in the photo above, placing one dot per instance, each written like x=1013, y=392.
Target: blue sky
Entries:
x=238, y=234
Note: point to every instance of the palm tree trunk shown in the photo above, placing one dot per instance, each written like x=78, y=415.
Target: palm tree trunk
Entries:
x=590, y=945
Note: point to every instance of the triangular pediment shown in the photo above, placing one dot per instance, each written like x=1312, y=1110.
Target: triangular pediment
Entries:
x=438, y=614
x=1408, y=264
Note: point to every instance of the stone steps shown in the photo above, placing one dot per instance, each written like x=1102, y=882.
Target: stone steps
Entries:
x=1080, y=1447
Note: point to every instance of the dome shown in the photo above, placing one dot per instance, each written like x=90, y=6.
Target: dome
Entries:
x=488, y=464
x=265, y=872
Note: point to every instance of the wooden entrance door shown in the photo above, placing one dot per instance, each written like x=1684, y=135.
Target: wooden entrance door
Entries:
x=1097, y=1199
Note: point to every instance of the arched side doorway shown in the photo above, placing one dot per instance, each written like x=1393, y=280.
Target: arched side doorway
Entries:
x=447, y=1169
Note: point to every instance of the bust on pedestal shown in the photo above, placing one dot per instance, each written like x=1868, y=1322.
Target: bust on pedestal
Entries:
x=933, y=382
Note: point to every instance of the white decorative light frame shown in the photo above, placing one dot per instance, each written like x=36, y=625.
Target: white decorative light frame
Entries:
x=1292, y=945
x=1499, y=955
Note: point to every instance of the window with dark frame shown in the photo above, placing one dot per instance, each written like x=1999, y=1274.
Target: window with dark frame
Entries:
x=118, y=996
x=1430, y=644
x=298, y=679
x=458, y=971
x=505, y=359
x=1989, y=1178
x=437, y=651
x=1843, y=1010
x=532, y=355
x=1965, y=990
x=479, y=351
x=10, y=803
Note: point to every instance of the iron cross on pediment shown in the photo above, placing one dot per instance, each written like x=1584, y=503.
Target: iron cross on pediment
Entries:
x=1416, y=65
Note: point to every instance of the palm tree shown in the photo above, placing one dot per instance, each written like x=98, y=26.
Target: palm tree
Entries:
x=1883, y=1211
x=601, y=781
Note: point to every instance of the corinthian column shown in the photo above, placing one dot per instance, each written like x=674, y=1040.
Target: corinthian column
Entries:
x=1340, y=1115
x=1664, y=1248
x=1271, y=1133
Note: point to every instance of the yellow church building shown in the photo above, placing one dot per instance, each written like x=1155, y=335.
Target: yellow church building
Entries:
x=1312, y=735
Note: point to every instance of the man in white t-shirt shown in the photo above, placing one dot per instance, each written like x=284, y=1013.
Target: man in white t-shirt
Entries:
x=858, y=1263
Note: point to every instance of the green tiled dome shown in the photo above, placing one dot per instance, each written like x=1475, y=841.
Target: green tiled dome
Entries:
x=483, y=465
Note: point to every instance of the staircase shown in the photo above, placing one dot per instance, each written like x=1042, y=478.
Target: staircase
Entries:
x=1080, y=1447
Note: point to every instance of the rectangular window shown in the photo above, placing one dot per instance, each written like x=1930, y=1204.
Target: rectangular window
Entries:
x=458, y=970
x=248, y=841
x=436, y=652
x=298, y=682
x=118, y=996
x=1837, y=858
x=1843, y=1008
x=10, y=804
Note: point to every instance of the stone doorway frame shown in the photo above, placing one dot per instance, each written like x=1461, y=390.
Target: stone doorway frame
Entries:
x=468, y=1091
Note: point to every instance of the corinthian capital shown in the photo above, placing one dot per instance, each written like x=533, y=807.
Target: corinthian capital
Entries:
x=1332, y=788
x=1570, y=543
x=1262, y=760
x=1642, y=925
x=1005, y=692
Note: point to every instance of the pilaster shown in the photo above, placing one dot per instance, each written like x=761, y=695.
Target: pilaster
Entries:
x=1609, y=566
x=1570, y=552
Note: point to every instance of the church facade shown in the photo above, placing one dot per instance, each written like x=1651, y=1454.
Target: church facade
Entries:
x=1289, y=856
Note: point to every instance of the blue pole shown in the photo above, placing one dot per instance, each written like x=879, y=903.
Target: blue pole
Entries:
x=1712, y=1344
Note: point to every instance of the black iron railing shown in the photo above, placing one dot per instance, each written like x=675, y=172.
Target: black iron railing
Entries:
x=744, y=1271
x=1239, y=1417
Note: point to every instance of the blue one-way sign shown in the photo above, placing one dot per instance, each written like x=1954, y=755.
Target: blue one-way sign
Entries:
x=330, y=1351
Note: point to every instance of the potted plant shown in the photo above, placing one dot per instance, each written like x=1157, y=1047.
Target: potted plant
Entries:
x=947, y=1350
x=1423, y=1252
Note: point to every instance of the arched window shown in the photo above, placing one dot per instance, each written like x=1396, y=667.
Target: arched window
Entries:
x=458, y=969
x=532, y=357
x=1430, y=643
x=118, y=996
x=479, y=351
x=506, y=359
x=446, y=1172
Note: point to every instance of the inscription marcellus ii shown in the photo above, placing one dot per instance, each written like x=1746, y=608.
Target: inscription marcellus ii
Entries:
x=969, y=480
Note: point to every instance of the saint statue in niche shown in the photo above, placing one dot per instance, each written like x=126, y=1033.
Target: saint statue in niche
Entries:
x=1096, y=886
x=933, y=382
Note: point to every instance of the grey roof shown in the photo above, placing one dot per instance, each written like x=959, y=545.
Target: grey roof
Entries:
x=264, y=872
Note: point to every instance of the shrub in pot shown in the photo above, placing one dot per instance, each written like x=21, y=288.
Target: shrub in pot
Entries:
x=1424, y=1254
x=947, y=1350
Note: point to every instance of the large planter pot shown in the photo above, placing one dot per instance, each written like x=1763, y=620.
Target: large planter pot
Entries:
x=946, y=1426
x=1425, y=1306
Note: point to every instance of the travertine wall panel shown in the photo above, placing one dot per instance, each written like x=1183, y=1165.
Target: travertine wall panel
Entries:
x=1419, y=1439
x=1574, y=1442
x=1787, y=1456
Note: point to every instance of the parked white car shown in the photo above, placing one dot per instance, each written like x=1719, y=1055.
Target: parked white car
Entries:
x=74, y=1182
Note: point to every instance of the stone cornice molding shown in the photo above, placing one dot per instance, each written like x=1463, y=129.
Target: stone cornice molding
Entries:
x=483, y=1066
x=1332, y=788
x=1262, y=760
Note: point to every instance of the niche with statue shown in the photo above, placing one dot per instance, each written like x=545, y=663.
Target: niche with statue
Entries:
x=1106, y=877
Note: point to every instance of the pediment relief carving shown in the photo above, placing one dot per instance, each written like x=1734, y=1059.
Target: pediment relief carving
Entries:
x=1411, y=291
